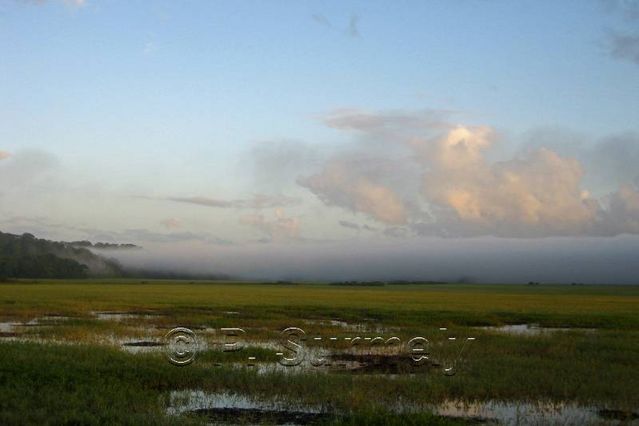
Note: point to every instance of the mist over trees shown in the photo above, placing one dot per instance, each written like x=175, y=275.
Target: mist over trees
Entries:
x=25, y=256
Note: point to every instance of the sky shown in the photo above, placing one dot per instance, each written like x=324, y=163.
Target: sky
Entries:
x=488, y=140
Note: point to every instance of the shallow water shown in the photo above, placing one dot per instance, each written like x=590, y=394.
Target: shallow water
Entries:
x=489, y=412
x=524, y=413
x=532, y=329
x=8, y=326
x=360, y=327
x=191, y=400
x=121, y=316
x=12, y=330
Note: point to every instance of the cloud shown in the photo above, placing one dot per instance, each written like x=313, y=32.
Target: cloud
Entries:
x=420, y=174
x=355, y=226
x=28, y=167
x=614, y=159
x=629, y=9
x=322, y=20
x=350, y=225
x=535, y=194
x=608, y=162
x=396, y=232
x=393, y=121
x=43, y=227
x=625, y=47
x=341, y=184
x=259, y=201
x=274, y=164
x=73, y=3
x=139, y=235
x=4, y=155
x=353, y=29
x=377, y=173
x=171, y=223
x=37, y=225
x=280, y=228
x=623, y=44
x=624, y=211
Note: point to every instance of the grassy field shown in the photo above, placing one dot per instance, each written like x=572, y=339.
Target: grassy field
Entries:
x=583, y=349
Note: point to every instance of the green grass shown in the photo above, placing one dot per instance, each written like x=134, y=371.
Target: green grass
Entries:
x=612, y=307
x=95, y=383
x=52, y=384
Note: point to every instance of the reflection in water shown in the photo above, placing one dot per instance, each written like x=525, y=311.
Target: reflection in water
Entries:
x=122, y=316
x=532, y=329
x=184, y=401
x=522, y=413
x=488, y=412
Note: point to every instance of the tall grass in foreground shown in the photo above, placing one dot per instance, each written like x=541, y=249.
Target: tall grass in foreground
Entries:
x=82, y=384
x=49, y=384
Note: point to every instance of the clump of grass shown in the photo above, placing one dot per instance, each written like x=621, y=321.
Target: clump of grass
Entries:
x=46, y=384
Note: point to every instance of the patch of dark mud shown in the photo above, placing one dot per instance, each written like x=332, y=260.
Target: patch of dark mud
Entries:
x=228, y=415
x=9, y=334
x=617, y=415
x=378, y=364
x=186, y=325
x=260, y=416
x=144, y=344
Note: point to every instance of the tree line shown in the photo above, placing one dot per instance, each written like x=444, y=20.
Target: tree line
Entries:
x=25, y=256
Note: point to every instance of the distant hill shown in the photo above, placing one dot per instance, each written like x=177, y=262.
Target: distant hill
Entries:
x=25, y=256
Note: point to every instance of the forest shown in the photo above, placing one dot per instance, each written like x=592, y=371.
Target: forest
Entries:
x=25, y=256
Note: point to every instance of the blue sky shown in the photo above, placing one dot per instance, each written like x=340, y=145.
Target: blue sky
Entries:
x=231, y=73
x=289, y=122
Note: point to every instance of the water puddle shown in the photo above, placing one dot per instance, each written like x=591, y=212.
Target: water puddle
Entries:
x=143, y=346
x=47, y=320
x=8, y=329
x=532, y=329
x=359, y=327
x=8, y=326
x=227, y=407
x=122, y=316
x=525, y=413
x=12, y=329
x=191, y=400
